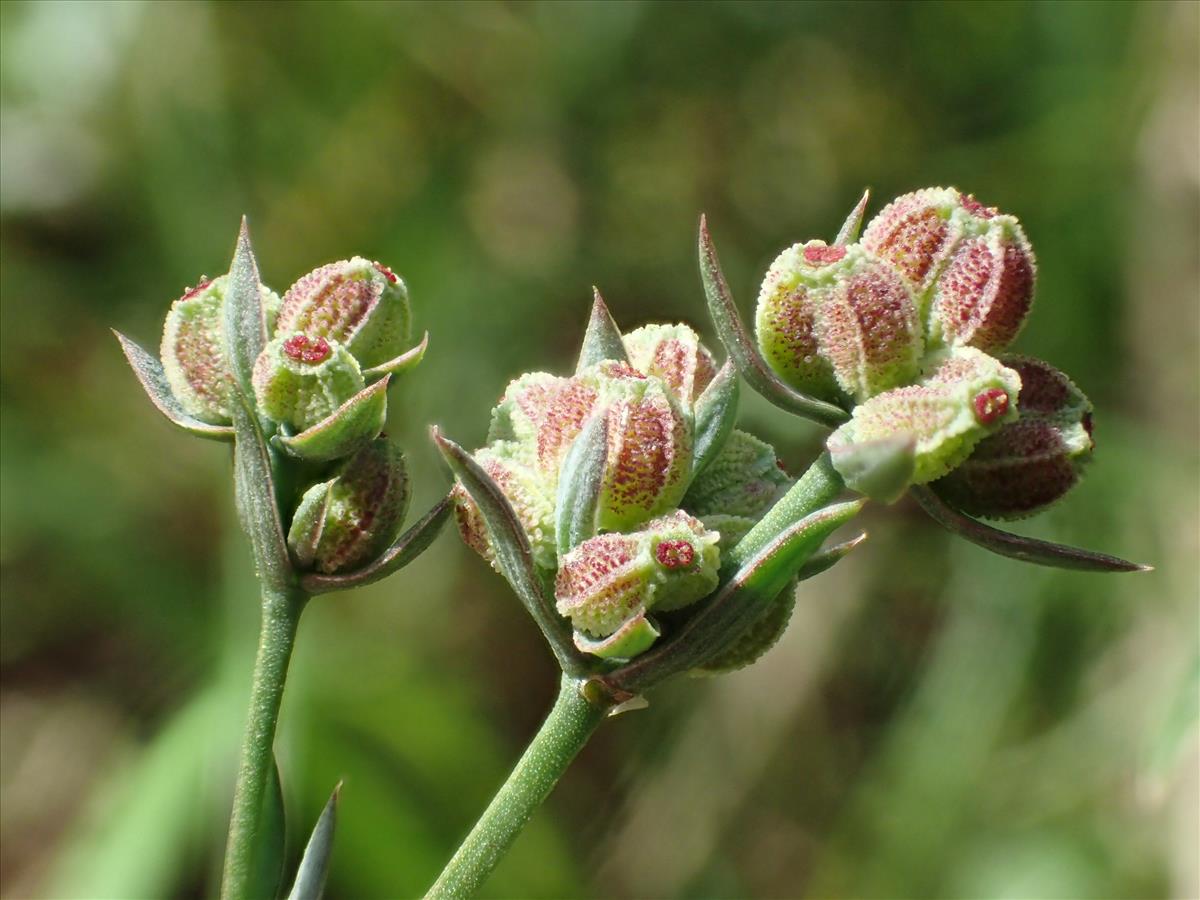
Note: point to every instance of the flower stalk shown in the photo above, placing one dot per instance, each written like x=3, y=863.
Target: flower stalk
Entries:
x=281, y=610
x=572, y=720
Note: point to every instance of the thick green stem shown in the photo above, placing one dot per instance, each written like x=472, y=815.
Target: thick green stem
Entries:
x=280, y=617
x=563, y=734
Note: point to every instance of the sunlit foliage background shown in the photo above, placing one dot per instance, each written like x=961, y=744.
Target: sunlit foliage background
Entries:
x=937, y=722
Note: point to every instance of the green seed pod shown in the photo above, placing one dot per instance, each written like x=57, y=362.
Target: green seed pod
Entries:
x=916, y=233
x=541, y=414
x=649, y=450
x=674, y=354
x=360, y=304
x=525, y=491
x=612, y=579
x=193, y=351
x=967, y=396
x=743, y=480
x=344, y=524
x=1031, y=463
x=300, y=380
x=972, y=267
x=838, y=322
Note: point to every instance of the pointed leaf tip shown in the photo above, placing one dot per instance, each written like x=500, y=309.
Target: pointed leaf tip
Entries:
x=1014, y=546
x=602, y=340
x=850, y=229
x=149, y=372
x=314, y=865
x=513, y=554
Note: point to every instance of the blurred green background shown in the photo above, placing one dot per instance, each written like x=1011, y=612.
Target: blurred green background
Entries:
x=938, y=722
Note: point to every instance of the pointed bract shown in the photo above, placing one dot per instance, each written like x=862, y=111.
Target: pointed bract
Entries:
x=602, y=340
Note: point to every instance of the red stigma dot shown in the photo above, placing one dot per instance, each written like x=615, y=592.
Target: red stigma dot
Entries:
x=304, y=349
x=386, y=272
x=990, y=405
x=975, y=208
x=819, y=254
x=674, y=554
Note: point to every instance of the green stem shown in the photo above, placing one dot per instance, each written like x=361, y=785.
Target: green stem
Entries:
x=563, y=734
x=817, y=488
x=280, y=618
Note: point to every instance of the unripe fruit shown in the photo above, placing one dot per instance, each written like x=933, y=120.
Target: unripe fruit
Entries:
x=611, y=579
x=364, y=511
x=966, y=397
x=525, y=491
x=972, y=268
x=838, y=322
x=360, y=304
x=300, y=380
x=674, y=354
x=1031, y=463
x=743, y=480
x=193, y=351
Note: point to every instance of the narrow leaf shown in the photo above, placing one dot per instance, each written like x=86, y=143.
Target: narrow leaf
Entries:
x=267, y=860
x=348, y=428
x=254, y=489
x=149, y=372
x=403, y=363
x=579, y=483
x=826, y=559
x=314, y=865
x=848, y=233
x=1030, y=550
x=308, y=524
x=411, y=544
x=245, y=319
x=767, y=572
x=742, y=350
x=715, y=413
x=738, y=603
x=513, y=554
x=602, y=340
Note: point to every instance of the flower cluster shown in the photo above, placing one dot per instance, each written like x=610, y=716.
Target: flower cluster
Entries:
x=319, y=389
x=908, y=329
x=627, y=503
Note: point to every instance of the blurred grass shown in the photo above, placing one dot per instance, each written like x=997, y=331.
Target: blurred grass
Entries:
x=936, y=723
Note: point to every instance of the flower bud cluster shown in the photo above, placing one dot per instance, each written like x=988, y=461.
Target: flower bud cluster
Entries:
x=655, y=529
x=319, y=387
x=906, y=329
